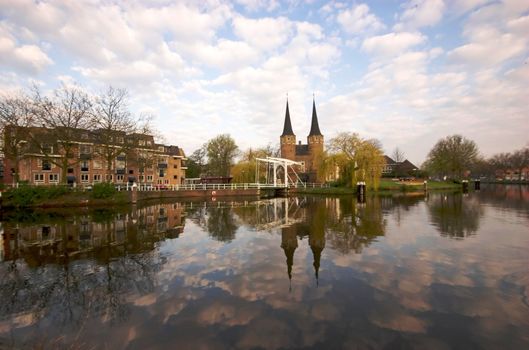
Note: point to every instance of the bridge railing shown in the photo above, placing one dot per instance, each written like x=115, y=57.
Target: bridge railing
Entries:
x=206, y=187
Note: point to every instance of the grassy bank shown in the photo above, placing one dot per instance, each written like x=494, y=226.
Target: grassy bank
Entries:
x=386, y=186
x=62, y=196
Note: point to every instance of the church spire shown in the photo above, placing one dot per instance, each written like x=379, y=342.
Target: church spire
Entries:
x=287, y=129
x=314, y=127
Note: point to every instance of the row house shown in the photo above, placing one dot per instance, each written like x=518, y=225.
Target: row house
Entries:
x=90, y=157
x=137, y=231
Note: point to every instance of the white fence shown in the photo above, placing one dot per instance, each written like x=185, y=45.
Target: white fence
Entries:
x=205, y=187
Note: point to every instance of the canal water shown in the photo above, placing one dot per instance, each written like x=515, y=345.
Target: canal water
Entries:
x=447, y=270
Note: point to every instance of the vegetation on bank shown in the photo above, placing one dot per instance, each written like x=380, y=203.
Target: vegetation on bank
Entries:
x=387, y=186
x=62, y=196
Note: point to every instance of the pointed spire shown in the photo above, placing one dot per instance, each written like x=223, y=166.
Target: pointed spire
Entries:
x=287, y=129
x=316, y=254
x=314, y=127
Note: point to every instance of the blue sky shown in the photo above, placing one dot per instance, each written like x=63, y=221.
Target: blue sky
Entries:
x=404, y=72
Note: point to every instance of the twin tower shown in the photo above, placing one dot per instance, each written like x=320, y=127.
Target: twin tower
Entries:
x=308, y=154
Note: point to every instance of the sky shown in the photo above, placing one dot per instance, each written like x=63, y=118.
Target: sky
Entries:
x=404, y=72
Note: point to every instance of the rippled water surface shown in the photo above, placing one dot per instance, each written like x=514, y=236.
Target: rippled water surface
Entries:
x=443, y=271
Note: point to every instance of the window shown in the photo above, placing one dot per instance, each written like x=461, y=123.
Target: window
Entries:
x=159, y=182
x=97, y=177
x=175, y=166
x=46, y=165
x=149, y=178
x=161, y=149
x=166, y=182
x=141, y=142
x=119, y=139
x=47, y=148
x=84, y=177
x=161, y=174
x=85, y=149
x=109, y=177
x=84, y=165
x=131, y=172
x=39, y=177
x=53, y=177
x=142, y=178
x=175, y=177
x=119, y=178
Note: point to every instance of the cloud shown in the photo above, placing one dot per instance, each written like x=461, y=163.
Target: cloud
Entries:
x=392, y=43
x=29, y=59
x=255, y=5
x=421, y=13
x=263, y=33
x=358, y=19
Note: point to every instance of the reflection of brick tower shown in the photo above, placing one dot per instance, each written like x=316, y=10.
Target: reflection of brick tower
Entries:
x=288, y=139
x=289, y=243
x=317, y=238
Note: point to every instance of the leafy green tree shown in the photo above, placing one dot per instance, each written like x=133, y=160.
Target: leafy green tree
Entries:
x=356, y=158
x=452, y=156
x=221, y=152
x=196, y=163
x=244, y=171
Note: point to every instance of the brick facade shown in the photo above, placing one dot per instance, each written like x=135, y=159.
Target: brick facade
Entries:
x=308, y=154
x=137, y=158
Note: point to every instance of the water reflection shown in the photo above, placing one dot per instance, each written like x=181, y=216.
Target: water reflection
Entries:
x=310, y=272
x=455, y=215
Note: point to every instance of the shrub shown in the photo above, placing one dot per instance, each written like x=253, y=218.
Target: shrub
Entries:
x=103, y=190
x=25, y=195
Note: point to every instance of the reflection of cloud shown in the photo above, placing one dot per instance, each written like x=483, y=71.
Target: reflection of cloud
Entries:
x=404, y=288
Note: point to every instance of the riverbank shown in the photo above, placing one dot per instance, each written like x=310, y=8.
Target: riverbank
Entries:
x=63, y=197
x=386, y=186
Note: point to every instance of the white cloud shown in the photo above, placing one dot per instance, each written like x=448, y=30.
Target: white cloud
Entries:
x=420, y=13
x=255, y=5
x=358, y=19
x=29, y=59
x=392, y=43
x=263, y=33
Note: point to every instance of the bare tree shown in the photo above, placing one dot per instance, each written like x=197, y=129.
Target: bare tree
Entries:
x=113, y=122
x=16, y=116
x=519, y=160
x=399, y=157
x=67, y=117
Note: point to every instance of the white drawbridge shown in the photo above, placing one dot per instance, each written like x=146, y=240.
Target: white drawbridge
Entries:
x=280, y=172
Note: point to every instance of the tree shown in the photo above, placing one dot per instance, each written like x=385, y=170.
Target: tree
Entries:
x=112, y=122
x=67, y=116
x=357, y=159
x=196, y=163
x=221, y=152
x=500, y=162
x=452, y=156
x=16, y=116
x=244, y=171
x=519, y=160
x=398, y=156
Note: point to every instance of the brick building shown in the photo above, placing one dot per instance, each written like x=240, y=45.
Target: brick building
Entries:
x=94, y=156
x=307, y=154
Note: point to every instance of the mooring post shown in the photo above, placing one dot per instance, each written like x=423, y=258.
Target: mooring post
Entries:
x=477, y=184
x=465, y=185
x=425, y=185
x=361, y=191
